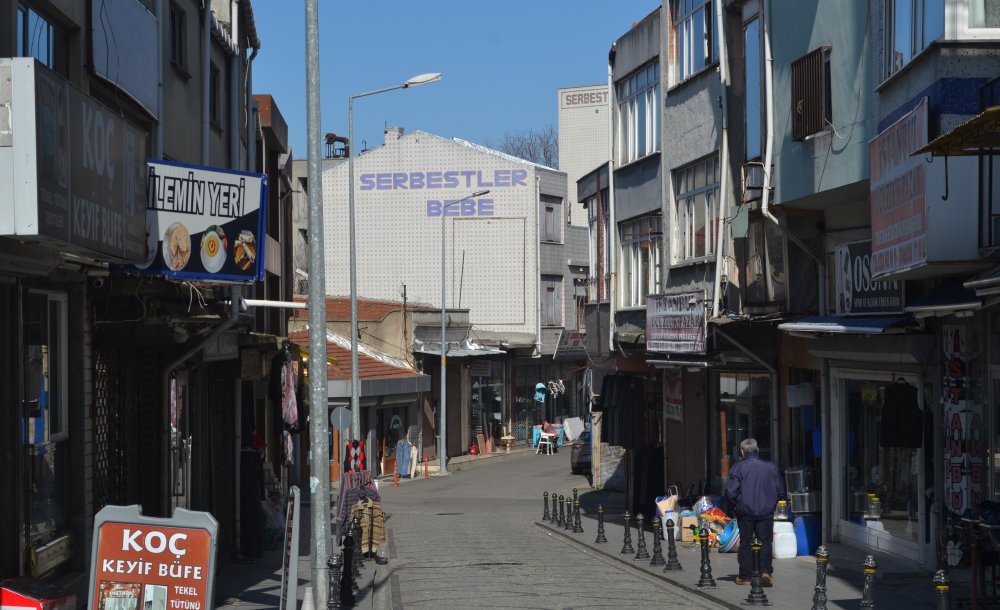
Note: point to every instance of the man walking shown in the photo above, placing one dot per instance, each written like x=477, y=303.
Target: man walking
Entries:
x=753, y=489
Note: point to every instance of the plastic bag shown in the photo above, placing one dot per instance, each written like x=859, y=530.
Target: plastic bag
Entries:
x=703, y=504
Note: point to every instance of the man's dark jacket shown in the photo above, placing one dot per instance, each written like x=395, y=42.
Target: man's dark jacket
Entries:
x=754, y=487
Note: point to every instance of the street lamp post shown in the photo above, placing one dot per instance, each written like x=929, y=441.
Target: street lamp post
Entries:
x=443, y=470
x=420, y=79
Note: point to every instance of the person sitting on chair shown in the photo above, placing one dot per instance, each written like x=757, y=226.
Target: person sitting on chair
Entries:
x=553, y=431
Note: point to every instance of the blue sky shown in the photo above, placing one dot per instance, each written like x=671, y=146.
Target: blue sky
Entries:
x=502, y=61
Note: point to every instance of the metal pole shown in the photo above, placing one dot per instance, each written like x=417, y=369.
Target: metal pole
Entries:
x=442, y=446
x=319, y=455
x=353, y=262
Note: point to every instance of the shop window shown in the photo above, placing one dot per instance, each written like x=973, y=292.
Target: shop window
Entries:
x=46, y=430
x=744, y=412
x=805, y=423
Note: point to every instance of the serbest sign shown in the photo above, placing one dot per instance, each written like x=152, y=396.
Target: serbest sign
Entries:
x=447, y=180
x=676, y=322
x=587, y=97
x=147, y=562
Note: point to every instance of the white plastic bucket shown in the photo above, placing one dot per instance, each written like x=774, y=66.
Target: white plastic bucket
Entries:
x=671, y=515
x=785, y=545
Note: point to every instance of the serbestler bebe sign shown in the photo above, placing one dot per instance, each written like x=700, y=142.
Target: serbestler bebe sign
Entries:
x=150, y=562
x=203, y=223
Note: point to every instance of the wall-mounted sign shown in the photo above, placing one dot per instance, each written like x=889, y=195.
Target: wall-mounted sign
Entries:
x=673, y=395
x=448, y=180
x=570, y=345
x=676, y=322
x=897, y=184
x=857, y=291
x=150, y=562
x=203, y=223
x=586, y=97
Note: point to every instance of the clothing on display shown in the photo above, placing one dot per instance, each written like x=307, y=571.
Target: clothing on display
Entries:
x=403, y=457
x=354, y=456
x=281, y=389
x=354, y=486
x=902, y=419
x=372, y=520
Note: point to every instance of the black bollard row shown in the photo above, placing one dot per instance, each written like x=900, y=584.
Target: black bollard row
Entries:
x=641, y=552
x=819, y=597
x=545, y=503
x=555, y=502
x=943, y=587
x=673, y=564
x=562, y=511
x=657, y=558
x=705, y=581
x=756, y=597
x=574, y=497
x=601, y=537
x=333, y=596
x=568, y=521
x=577, y=526
x=627, y=545
x=868, y=593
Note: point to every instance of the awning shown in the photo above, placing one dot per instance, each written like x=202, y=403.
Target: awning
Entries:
x=985, y=284
x=859, y=325
x=968, y=138
x=458, y=352
x=946, y=300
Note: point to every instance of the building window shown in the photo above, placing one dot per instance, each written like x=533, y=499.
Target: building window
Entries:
x=765, y=265
x=910, y=27
x=178, y=37
x=811, y=99
x=213, y=95
x=696, y=201
x=642, y=251
x=551, y=300
x=38, y=38
x=599, y=236
x=695, y=44
x=639, y=113
x=752, y=77
x=984, y=14
x=551, y=219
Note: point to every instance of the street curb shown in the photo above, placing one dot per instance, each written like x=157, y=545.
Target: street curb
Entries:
x=679, y=585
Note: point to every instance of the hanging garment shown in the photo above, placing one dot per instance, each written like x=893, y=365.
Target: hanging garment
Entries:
x=413, y=460
x=902, y=419
x=372, y=521
x=354, y=486
x=403, y=457
x=275, y=377
x=289, y=406
x=289, y=447
x=354, y=456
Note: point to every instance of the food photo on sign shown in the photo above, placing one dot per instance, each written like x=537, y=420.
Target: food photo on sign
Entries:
x=203, y=223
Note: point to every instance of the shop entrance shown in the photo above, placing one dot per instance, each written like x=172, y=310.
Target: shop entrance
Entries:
x=882, y=435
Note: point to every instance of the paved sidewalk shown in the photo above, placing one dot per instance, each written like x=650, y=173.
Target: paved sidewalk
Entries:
x=897, y=584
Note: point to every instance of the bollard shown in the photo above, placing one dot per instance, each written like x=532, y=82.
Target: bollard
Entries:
x=657, y=559
x=943, y=587
x=819, y=597
x=568, y=521
x=577, y=526
x=601, y=537
x=545, y=504
x=555, y=514
x=868, y=593
x=574, y=497
x=562, y=510
x=347, y=582
x=672, y=564
x=358, y=562
x=427, y=474
x=641, y=553
x=333, y=597
x=706, y=581
x=756, y=597
x=627, y=546
x=395, y=479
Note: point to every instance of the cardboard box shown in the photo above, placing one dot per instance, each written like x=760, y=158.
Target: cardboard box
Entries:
x=686, y=534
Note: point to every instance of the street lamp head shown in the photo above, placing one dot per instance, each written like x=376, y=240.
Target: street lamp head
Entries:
x=480, y=193
x=422, y=79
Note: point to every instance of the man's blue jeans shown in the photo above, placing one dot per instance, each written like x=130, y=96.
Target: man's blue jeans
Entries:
x=764, y=528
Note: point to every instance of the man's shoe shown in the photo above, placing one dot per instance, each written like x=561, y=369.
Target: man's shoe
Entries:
x=742, y=581
x=768, y=580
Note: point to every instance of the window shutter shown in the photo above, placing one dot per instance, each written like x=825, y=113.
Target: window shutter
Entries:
x=809, y=94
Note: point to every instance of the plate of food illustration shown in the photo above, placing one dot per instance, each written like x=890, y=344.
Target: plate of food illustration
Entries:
x=176, y=246
x=213, y=248
x=245, y=250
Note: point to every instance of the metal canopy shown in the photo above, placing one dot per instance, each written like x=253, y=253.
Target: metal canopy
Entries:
x=969, y=138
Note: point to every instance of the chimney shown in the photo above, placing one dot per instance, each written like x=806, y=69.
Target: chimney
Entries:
x=393, y=133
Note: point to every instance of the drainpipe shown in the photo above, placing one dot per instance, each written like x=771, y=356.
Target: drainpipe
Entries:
x=538, y=267
x=723, y=158
x=234, y=83
x=206, y=78
x=769, y=158
x=158, y=146
x=234, y=314
x=612, y=226
x=251, y=162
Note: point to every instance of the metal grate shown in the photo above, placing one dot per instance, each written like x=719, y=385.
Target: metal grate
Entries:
x=809, y=93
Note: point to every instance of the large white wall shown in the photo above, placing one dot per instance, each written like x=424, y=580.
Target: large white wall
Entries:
x=583, y=139
x=398, y=229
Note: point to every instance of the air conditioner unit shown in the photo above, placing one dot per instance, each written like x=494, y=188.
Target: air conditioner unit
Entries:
x=753, y=180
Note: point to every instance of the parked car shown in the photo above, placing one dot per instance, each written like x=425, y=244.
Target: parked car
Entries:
x=579, y=453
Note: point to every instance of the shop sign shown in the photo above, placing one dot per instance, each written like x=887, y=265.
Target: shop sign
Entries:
x=897, y=186
x=857, y=290
x=673, y=395
x=225, y=346
x=587, y=97
x=143, y=562
x=480, y=368
x=570, y=345
x=965, y=434
x=676, y=322
x=203, y=223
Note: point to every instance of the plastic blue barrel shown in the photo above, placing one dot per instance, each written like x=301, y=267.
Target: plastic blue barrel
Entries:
x=808, y=532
